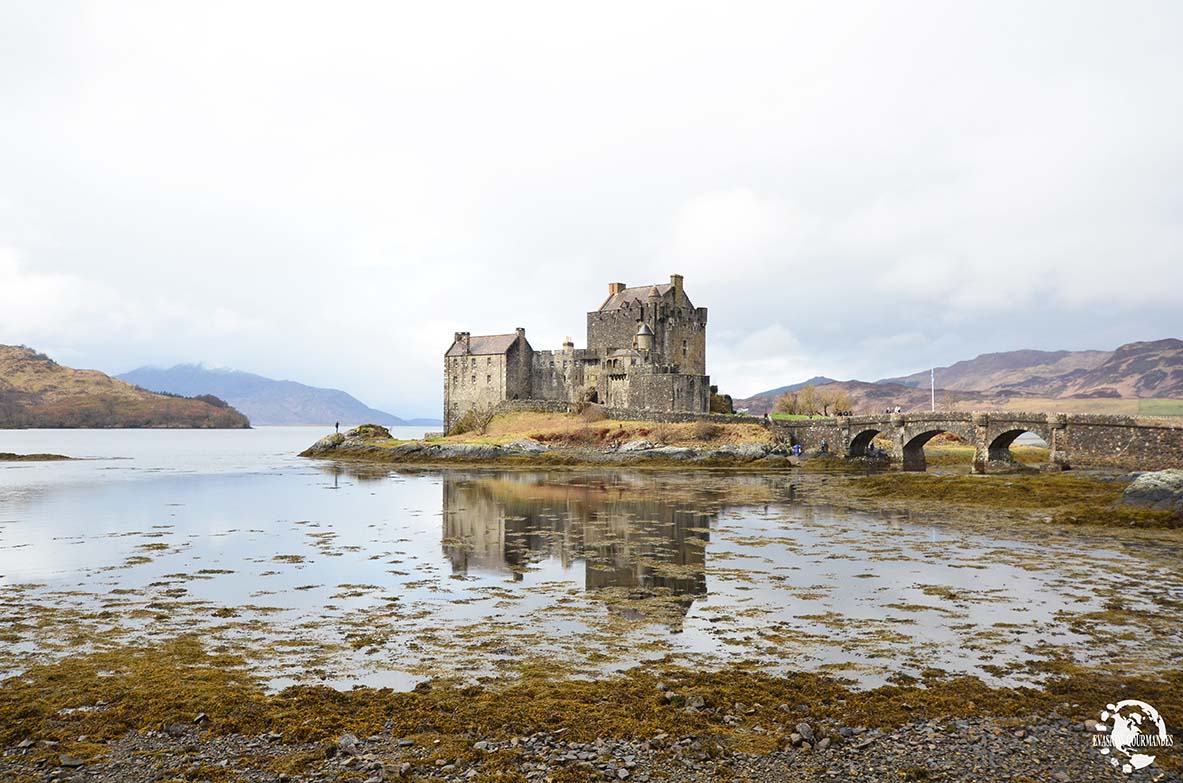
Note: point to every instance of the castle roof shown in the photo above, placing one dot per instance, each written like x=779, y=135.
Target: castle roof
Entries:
x=644, y=329
x=638, y=295
x=483, y=345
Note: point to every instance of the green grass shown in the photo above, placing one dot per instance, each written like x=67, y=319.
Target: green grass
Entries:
x=1160, y=407
x=794, y=416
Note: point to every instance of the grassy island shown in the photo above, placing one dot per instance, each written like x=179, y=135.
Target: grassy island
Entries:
x=556, y=439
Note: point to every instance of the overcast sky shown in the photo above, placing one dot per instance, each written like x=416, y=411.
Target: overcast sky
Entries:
x=326, y=193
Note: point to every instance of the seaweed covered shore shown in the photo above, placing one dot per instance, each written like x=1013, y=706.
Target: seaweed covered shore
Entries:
x=178, y=711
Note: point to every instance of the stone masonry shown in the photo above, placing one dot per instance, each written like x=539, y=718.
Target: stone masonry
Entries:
x=646, y=350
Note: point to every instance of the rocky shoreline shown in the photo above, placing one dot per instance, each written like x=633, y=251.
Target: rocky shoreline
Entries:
x=1049, y=748
x=358, y=445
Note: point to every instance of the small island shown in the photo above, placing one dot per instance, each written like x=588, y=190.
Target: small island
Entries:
x=586, y=438
x=8, y=456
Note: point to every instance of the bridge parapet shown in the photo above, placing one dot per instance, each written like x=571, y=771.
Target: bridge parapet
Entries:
x=1084, y=440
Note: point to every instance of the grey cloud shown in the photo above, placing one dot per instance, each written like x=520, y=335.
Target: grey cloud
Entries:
x=874, y=187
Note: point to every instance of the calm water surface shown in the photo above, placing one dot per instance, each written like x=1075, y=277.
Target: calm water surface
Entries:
x=368, y=575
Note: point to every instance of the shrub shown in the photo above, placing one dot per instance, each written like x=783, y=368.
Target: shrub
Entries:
x=705, y=430
x=370, y=431
x=592, y=412
x=721, y=403
x=474, y=420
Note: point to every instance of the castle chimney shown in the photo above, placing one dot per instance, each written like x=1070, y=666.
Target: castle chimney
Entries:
x=568, y=346
x=676, y=282
x=521, y=332
x=615, y=288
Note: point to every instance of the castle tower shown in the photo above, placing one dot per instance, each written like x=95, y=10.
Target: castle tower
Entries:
x=643, y=340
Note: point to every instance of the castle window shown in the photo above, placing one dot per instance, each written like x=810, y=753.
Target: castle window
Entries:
x=488, y=379
x=474, y=379
x=685, y=348
x=489, y=360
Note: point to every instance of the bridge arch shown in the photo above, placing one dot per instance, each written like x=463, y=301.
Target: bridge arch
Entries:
x=914, y=449
x=999, y=447
x=858, y=444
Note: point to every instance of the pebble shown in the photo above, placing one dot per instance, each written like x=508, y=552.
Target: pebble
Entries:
x=964, y=749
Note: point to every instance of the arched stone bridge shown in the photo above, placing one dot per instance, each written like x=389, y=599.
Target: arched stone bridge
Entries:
x=1084, y=440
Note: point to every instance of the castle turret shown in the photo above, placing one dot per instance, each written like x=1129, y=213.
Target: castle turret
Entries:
x=643, y=340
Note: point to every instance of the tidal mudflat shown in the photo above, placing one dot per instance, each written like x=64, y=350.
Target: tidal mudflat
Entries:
x=304, y=573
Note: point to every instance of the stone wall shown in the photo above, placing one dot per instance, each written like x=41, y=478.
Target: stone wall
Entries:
x=1121, y=441
x=534, y=406
x=626, y=414
x=558, y=375
x=612, y=329
x=480, y=381
x=679, y=333
x=664, y=391
x=472, y=382
x=681, y=339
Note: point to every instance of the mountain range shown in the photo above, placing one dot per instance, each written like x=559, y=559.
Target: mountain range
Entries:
x=36, y=391
x=1038, y=380
x=266, y=400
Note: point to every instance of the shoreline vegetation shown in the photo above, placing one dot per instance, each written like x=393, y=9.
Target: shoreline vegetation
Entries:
x=96, y=708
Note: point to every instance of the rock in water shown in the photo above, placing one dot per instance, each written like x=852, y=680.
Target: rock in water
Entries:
x=525, y=446
x=328, y=442
x=1161, y=490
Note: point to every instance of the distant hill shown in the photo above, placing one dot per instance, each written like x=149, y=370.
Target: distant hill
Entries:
x=1010, y=368
x=36, y=391
x=817, y=380
x=265, y=400
x=1147, y=369
x=869, y=397
x=1014, y=379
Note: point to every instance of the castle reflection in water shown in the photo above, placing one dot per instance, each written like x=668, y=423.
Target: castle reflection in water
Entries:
x=632, y=534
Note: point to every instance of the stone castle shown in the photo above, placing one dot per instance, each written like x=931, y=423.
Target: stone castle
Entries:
x=646, y=350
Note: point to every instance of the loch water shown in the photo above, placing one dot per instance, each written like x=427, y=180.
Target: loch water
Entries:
x=356, y=574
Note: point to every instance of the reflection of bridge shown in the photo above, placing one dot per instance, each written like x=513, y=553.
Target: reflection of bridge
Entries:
x=1072, y=439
